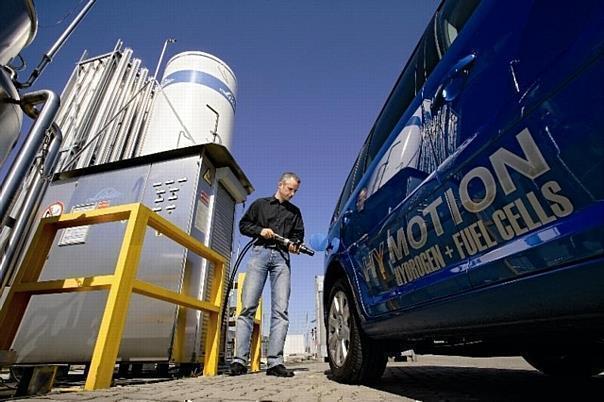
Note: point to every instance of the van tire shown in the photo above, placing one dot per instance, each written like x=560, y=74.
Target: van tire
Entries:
x=365, y=360
x=573, y=364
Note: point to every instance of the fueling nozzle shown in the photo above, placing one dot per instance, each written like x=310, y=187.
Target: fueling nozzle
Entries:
x=286, y=242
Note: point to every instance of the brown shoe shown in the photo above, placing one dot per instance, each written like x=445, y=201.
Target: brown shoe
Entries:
x=279, y=371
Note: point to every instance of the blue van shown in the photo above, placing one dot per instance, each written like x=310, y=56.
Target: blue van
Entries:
x=472, y=221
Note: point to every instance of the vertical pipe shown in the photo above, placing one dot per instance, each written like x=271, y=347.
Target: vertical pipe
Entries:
x=126, y=152
x=89, y=106
x=161, y=56
x=128, y=121
x=105, y=111
x=111, y=102
x=141, y=129
x=119, y=113
x=20, y=166
x=27, y=213
x=69, y=103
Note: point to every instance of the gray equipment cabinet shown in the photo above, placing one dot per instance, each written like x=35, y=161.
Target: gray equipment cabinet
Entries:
x=196, y=188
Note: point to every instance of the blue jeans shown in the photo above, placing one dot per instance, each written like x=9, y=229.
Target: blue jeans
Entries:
x=264, y=261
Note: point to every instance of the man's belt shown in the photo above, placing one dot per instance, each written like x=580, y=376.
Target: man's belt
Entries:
x=275, y=246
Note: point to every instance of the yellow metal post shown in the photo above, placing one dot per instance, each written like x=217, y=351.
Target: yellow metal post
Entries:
x=255, y=348
x=29, y=271
x=181, y=323
x=114, y=318
x=212, y=351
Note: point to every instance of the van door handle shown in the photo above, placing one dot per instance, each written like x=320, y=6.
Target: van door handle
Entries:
x=455, y=79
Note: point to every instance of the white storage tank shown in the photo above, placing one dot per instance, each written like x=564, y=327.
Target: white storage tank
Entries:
x=196, y=104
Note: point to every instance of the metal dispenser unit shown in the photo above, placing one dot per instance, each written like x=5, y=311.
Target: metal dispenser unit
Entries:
x=196, y=188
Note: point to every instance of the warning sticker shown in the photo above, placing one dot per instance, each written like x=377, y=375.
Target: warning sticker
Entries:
x=54, y=209
x=201, y=216
x=77, y=235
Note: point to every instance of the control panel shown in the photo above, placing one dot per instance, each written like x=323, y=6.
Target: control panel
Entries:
x=167, y=194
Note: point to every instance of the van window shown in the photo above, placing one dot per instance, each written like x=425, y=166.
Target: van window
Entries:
x=401, y=96
x=451, y=20
x=407, y=87
x=420, y=144
x=418, y=149
x=355, y=175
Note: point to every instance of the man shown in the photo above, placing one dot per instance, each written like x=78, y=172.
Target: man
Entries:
x=264, y=218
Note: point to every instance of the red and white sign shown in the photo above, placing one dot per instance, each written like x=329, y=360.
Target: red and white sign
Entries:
x=54, y=209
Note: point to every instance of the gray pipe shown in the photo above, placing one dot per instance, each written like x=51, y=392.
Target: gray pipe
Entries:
x=104, y=112
x=123, y=93
x=96, y=86
x=47, y=58
x=27, y=154
x=117, y=148
x=138, y=128
x=27, y=214
x=53, y=151
x=91, y=139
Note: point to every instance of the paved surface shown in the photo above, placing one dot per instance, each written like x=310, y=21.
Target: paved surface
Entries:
x=430, y=378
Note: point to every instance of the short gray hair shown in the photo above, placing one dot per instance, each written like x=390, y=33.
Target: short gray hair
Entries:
x=289, y=175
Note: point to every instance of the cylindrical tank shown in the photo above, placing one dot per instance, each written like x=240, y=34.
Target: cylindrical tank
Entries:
x=196, y=104
x=18, y=25
x=11, y=117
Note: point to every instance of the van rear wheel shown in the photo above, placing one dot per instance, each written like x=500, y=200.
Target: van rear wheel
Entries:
x=353, y=357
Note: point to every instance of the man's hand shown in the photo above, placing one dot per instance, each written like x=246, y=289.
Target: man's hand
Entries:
x=294, y=248
x=267, y=233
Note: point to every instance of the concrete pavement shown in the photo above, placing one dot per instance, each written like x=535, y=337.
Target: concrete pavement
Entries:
x=430, y=378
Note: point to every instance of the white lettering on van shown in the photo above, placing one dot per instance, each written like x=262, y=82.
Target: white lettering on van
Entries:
x=410, y=255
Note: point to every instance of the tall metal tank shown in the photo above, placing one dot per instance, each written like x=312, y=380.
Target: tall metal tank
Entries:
x=18, y=26
x=195, y=105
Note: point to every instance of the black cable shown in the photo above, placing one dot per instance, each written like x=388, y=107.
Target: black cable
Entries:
x=231, y=278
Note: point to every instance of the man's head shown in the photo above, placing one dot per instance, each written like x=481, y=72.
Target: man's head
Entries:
x=288, y=185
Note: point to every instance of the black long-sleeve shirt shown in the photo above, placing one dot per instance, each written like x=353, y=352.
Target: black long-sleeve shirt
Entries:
x=284, y=218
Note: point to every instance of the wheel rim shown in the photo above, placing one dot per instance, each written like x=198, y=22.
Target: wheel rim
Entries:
x=339, y=328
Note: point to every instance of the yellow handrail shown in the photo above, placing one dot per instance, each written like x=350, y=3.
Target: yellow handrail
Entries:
x=121, y=285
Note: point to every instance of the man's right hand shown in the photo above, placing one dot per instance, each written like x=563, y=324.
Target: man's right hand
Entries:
x=267, y=233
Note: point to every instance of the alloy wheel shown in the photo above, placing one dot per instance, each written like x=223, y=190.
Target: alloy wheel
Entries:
x=339, y=328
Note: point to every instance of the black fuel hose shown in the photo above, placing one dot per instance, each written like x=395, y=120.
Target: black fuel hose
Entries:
x=231, y=278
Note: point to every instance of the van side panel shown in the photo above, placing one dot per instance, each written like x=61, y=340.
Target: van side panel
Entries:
x=506, y=191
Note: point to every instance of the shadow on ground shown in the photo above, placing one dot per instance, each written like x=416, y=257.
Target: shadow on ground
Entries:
x=443, y=383
x=435, y=383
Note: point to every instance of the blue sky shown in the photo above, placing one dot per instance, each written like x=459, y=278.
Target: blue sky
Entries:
x=312, y=76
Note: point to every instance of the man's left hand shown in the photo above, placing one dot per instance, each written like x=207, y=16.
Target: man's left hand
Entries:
x=294, y=248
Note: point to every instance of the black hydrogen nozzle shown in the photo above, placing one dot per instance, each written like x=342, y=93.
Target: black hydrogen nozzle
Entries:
x=286, y=242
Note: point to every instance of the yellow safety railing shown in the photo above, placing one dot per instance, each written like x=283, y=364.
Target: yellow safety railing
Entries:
x=255, y=349
x=121, y=285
